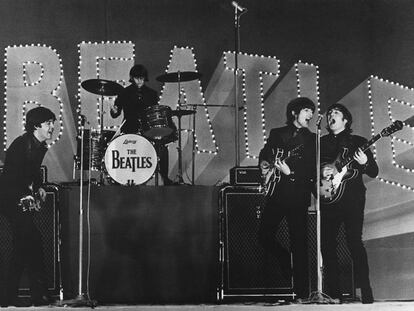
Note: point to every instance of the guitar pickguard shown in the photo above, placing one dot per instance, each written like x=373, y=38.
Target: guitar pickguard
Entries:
x=332, y=187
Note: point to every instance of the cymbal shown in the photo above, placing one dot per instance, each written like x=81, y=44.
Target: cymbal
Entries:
x=182, y=76
x=102, y=87
x=182, y=112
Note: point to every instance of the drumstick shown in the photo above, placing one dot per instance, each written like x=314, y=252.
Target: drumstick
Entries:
x=118, y=131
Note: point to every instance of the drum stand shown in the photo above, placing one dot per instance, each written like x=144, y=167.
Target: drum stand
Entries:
x=179, y=149
x=101, y=140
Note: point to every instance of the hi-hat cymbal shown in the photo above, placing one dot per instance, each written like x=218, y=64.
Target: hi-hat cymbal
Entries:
x=179, y=76
x=102, y=87
x=182, y=112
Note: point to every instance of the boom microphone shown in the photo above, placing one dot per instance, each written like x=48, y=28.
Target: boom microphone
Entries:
x=238, y=7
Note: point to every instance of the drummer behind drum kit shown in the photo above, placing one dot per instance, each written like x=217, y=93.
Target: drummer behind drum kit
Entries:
x=131, y=159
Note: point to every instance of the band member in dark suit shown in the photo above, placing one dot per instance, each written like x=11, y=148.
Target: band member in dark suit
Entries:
x=349, y=210
x=133, y=101
x=21, y=178
x=292, y=195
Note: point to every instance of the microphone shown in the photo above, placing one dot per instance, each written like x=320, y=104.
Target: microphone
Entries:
x=238, y=7
x=320, y=117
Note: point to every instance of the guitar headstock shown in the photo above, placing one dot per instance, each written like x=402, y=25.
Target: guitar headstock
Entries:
x=394, y=127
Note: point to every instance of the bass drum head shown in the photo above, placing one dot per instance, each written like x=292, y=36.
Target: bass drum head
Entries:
x=130, y=159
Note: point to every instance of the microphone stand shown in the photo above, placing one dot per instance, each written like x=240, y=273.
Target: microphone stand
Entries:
x=82, y=300
x=318, y=296
x=237, y=16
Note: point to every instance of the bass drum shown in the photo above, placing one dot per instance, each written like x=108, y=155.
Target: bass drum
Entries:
x=130, y=159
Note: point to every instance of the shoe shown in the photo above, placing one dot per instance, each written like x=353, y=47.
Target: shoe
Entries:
x=366, y=295
x=301, y=301
x=335, y=301
x=42, y=301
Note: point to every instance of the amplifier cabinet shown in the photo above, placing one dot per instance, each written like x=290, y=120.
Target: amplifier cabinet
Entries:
x=244, y=270
x=47, y=221
x=245, y=176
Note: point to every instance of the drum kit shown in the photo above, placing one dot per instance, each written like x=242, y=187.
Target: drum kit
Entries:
x=131, y=159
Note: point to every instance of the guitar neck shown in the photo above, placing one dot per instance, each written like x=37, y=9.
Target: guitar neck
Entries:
x=364, y=147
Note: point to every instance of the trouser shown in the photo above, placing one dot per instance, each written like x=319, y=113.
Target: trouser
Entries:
x=351, y=214
x=27, y=253
x=162, y=152
x=296, y=216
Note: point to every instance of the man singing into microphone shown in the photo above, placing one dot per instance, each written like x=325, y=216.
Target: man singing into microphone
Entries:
x=292, y=196
x=349, y=209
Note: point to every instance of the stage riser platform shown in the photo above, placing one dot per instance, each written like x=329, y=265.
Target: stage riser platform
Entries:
x=148, y=244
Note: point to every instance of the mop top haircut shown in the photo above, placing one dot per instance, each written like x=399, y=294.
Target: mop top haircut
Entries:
x=296, y=105
x=346, y=113
x=138, y=71
x=36, y=116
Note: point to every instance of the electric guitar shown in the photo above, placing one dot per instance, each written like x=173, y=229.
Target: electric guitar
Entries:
x=30, y=202
x=270, y=175
x=333, y=187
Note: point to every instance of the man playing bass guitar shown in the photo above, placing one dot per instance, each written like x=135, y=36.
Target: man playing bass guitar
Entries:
x=21, y=191
x=292, y=194
x=348, y=208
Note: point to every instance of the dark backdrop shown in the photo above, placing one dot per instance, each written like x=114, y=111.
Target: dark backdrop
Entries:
x=348, y=39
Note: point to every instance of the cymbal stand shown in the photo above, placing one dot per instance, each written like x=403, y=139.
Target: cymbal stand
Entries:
x=193, y=147
x=179, y=149
x=194, y=136
x=101, y=135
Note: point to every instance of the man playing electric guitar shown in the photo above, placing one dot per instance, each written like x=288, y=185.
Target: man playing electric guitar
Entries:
x=292, y=195
x=21, y=191
x=348, y=208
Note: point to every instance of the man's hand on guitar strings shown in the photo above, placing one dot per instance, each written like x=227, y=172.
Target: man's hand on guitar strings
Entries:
x=360, y=157
x=264, y=167
x=327, y=172
x=283, y=167
x=42, y=194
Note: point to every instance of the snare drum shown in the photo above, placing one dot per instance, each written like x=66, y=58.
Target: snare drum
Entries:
x=158, y=122
x=94, y=145
x=130, y=159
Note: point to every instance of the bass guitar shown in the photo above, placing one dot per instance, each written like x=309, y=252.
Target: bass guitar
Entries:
x=30, y=202
x=332, y=187
x=270, y=175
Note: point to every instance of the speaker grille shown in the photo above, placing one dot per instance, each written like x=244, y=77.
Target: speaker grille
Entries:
x=346, y=277
x=245, y=270
x=46, y=221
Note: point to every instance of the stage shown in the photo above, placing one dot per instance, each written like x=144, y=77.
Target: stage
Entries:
x=147, y=244
x=378, y=306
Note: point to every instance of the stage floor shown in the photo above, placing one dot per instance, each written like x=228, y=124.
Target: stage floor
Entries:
x=377, y=306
